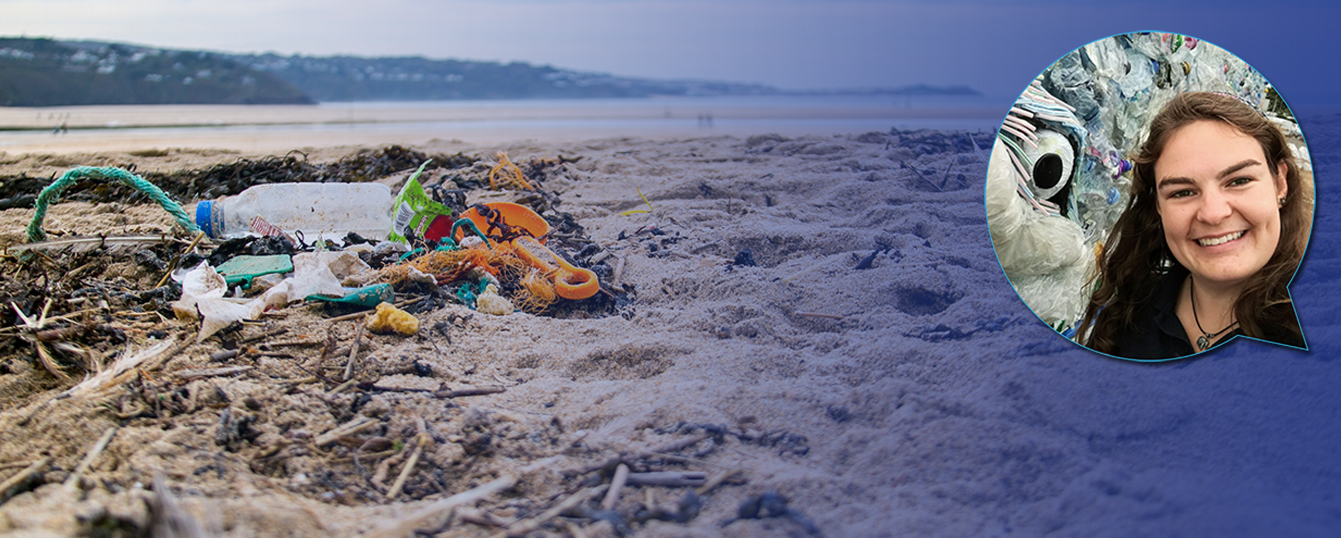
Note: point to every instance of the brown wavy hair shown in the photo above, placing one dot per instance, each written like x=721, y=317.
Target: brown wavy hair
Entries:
x=1137, y=256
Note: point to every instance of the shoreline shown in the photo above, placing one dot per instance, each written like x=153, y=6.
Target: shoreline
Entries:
x=278, y=128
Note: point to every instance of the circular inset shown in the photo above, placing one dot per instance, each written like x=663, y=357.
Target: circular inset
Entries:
x=1150, y=196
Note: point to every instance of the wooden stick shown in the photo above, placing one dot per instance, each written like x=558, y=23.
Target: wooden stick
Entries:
x=616, y=486
x=421, y=440
x=349, y=428
x=178, y=259
x=263, y=336
x=406, y=525
x=818, y=315
x=673, y=479
x=924, y=178
x=189, y=375
x=716, y=480
x=93, y=453
x=661, y=451
x=22, y=476
x=530, y=525
x=472, y=391
x=354, y=352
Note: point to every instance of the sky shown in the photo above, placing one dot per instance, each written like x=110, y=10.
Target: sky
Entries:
x=994, y=47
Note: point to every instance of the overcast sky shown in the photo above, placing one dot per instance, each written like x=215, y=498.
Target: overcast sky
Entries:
x=791, y=44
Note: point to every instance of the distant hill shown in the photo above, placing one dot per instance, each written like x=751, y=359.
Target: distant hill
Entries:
x=44, y=72
x=352, y=78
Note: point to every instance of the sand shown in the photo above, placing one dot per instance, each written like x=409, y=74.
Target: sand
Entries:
x=916, y=396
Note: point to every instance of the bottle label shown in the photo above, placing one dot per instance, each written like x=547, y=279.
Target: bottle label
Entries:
x=260, y=227
x=404, y=214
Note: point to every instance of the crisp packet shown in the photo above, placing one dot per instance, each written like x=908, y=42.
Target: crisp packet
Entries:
x=418, y=215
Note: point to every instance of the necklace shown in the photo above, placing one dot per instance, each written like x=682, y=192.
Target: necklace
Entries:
x=1204, y=341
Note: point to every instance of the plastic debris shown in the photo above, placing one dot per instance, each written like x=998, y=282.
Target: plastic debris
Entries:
x=203, y=291
x=332, y=209
x=367, y=297
x=389, y=319
x=243, y=269
x=417, y=215
x=317, y=273
x=490, y=302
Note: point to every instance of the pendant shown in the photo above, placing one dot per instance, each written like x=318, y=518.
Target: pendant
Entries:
x=1203, y=342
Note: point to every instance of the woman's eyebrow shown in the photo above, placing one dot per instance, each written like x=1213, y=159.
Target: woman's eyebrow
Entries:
x=1235, y=168
x=1178, y=180
x=1223, y=173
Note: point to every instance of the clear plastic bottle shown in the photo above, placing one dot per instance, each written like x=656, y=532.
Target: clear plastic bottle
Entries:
x=327, y=210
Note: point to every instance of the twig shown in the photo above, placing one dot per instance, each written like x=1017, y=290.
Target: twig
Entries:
x=661, y=451
x=420, y=441
x=93, y=454
x=343, y=386
x=616, y=486
x=924, y=178
x=675, y=446
x=350, y=317
x=673, y=479
x=818, y=315
x=353, y=352
x=189, y=375
x=264, y=335
x=172, y=266
x=482, y=519
x=406, y=525
x=617, y=273
x=716, y=480
x=358, y=315
x=473, y=391
x=530, y=525
x=349, y=428
x=22, y=477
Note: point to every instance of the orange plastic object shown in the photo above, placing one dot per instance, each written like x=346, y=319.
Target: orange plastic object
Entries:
x=570, y=282
x=513, y=215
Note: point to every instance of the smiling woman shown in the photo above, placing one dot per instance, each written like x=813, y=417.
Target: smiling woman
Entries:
x=1217, y=224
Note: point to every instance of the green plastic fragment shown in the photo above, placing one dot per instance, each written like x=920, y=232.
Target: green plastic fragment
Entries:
x=245, y=268
x=368, y=296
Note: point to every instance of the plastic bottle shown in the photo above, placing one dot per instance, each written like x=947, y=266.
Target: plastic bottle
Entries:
x=328, y=210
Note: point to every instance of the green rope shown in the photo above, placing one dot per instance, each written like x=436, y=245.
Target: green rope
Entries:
x=469, y=224
x=54, y=190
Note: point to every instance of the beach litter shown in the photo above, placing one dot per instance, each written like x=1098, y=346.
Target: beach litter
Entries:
x=389, y=319
x=237, y=312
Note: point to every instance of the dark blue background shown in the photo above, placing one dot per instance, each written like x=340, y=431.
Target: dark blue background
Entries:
x=1246, y=440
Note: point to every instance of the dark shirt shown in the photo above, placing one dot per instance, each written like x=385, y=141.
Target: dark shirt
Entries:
x=1159, y=334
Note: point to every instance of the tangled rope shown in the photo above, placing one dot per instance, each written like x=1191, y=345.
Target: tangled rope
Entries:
x=56, y=188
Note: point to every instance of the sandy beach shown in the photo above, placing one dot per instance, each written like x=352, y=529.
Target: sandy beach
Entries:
x=871, y=366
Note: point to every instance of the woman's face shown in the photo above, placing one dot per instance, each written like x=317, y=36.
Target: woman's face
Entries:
x=1218, y=201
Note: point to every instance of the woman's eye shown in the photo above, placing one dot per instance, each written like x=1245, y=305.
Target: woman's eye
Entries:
x=1240, y=181
x=1181, y=194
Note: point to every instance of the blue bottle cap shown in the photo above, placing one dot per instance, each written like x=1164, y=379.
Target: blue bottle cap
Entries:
x=204, y=209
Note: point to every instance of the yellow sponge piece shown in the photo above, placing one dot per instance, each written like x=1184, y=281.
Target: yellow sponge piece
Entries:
x=388, y=319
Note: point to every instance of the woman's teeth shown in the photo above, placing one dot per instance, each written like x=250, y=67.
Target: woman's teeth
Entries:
x=1219, y=240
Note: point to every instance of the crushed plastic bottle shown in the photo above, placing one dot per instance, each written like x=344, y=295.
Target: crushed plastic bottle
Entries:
x=316, y=209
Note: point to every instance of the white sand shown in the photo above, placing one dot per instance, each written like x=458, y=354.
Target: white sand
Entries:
x=932, y=403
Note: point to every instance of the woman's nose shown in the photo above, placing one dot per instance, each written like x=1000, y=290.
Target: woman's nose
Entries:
x=1214, y=208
